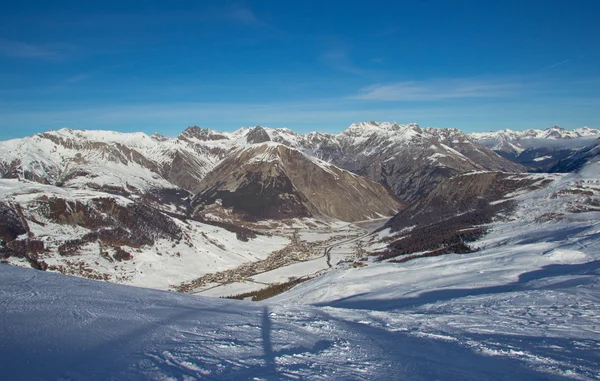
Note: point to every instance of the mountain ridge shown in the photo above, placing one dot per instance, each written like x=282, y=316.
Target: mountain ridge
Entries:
x=128, y=163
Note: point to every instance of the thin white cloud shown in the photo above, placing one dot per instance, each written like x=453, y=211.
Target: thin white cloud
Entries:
x=432, y=90
x=78, y=78
x=17, y=49
x=558, y=64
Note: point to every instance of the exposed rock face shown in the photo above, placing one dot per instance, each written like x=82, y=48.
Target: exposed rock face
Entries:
x=257, y=135
x=275, y=181
x=203, y=134
x=11, y=225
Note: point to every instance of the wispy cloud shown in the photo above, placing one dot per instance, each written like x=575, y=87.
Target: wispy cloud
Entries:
x=432, y=90
x=558, y=64
x=17, y=49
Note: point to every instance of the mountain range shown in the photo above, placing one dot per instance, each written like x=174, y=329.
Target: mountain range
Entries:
x=129, y=207
x=542, y=150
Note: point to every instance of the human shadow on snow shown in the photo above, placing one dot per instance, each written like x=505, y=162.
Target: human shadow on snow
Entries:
x=270, y=370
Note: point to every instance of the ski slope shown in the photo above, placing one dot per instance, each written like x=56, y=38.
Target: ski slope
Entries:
x=64, y=328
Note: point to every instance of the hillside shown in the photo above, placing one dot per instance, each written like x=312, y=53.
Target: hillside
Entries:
x=272, y=180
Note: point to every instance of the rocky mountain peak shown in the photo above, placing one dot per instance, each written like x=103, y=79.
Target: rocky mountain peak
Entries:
x=159, y=137
x=203, y=134
x=381, y=128
x=556, y=132
x=257, y=135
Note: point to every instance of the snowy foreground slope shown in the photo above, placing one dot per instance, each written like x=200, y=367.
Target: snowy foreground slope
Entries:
x=62, y=328
x=527, y=306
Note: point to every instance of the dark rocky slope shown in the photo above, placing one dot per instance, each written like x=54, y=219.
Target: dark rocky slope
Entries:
x=275, y=181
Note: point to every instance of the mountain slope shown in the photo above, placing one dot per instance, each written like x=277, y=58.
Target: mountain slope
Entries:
x=73, y=329
x=408, y=159
x=119, y=163
x=124, y=240
x=275, y=181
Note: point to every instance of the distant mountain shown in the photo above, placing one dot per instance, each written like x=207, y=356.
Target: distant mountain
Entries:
x=578, y=158
x=539, y=150
x=274, y=181
x=409, y=160
x=554, y=132
x=121, y=163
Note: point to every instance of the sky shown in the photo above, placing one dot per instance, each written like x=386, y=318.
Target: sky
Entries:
x=306, y=65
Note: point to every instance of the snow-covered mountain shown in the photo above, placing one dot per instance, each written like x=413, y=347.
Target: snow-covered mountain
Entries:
x=123, y=163
x=554, y=132
x=409, y=160
x=104, y=236
x=539, y=150
x=109, y=205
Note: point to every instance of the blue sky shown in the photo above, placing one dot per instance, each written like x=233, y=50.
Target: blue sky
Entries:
x=307, y=65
